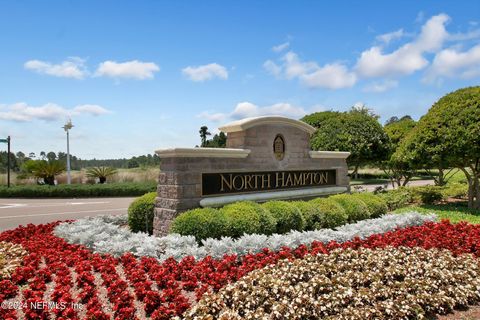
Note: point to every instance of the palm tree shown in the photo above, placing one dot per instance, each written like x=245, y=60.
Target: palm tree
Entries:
x=45, y=170
x=203, y=135
x=101, y=173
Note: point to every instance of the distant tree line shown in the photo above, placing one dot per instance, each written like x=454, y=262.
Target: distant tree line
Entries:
x=18, y=159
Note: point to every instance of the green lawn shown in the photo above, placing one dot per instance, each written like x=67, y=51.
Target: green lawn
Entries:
x=453, y=212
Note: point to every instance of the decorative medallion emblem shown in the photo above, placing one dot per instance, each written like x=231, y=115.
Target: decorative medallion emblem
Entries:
x=279, y=147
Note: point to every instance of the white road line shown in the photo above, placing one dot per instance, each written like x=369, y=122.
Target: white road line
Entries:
x=59, y=213
x=53, y=204
x=11, y=205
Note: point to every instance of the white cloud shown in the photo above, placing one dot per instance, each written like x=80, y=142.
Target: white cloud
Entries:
x=73, y=67
x=92, y=109
x=272, y=68
x=451, y=63
x=248, y=109
x=409, y=57
x=330, y=76
x=22, y=112
x=388, y=37
x=281, y=47
x=215, y=117
x=205, y=72
x=130, y=69
x=381, y=86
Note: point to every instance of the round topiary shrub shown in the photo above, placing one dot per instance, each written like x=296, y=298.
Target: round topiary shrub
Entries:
x=288, y=216
x=355, y=208
x=247, y=217
x=311, y=214
x=376, y=205
x=140, y=213
x=202, y=223
x=331, y=214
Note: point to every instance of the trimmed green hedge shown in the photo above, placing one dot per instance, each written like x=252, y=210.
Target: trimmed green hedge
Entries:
x=287, y=215
x=376, y=205
x=247, y=217
x=330, y=214
x=140, y=213
x=355, y=208
x=128, y=189
x=201, y=223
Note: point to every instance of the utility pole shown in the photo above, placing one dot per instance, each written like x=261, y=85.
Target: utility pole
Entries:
x=7, y=141
x=67, y=128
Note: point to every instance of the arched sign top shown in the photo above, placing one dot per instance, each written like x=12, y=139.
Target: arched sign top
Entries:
x=247, y=123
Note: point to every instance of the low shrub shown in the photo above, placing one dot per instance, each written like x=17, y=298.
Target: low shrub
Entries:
x=355, y=208
x=202, y=223
x=310, y=214
x=140, y=213
x=376, y=205
x=288, y=216
x=427, y=194
x=397, y=198
x=247, y=217
x=130, y=189
x=331, y=214
x=455, y=190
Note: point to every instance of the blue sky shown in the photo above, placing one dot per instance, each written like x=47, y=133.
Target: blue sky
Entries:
x=137, y=76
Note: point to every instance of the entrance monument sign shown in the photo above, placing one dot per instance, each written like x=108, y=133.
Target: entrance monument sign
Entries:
x=266, y=158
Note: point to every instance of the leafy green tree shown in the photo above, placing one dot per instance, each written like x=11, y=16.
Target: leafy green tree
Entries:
x=449, y=136
x=203, y=135
x=42, y=169
x=357, y=131
x=102, y=173
x=398, y=169
x=51, y=156
x=218, y=141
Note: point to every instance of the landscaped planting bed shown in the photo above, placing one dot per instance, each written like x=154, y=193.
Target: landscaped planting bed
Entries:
x=131, y=287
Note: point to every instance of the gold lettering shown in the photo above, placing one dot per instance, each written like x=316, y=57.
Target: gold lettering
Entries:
x=267, y=180
x=289, y=179
x=248, y=182
x=277, y=180
x=315, y=176
x=242, y=185
x=324, y=178
x=297, y=181
x=225, y=182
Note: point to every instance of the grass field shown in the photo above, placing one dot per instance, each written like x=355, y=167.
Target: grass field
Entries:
x=455, y=212
x=148, y=174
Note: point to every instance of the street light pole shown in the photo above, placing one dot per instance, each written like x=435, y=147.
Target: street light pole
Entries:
x=8, y=162
x=7, y=141
x=67, y=128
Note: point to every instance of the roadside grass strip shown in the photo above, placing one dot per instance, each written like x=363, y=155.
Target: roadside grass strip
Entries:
x=107, y=234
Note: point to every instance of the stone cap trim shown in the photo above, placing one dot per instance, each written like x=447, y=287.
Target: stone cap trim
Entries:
x=329, y=154
x=203, y=153
x=244, y=124
x=272, y=195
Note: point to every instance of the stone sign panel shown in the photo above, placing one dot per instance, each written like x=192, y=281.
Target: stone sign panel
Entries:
x=238, y=182
x=266, y=158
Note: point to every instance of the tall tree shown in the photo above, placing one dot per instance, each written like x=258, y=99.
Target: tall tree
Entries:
x=51, y=156
x=357, y=131
x=203, y=135
x=449, y=136
x=398, y=169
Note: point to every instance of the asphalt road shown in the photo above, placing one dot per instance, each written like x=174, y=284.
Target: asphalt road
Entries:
x=15, y=212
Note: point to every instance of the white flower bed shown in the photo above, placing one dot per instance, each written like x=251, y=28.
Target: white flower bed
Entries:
x=107, y=234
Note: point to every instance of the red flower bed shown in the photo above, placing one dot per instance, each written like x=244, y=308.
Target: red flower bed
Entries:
x=167, y=289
